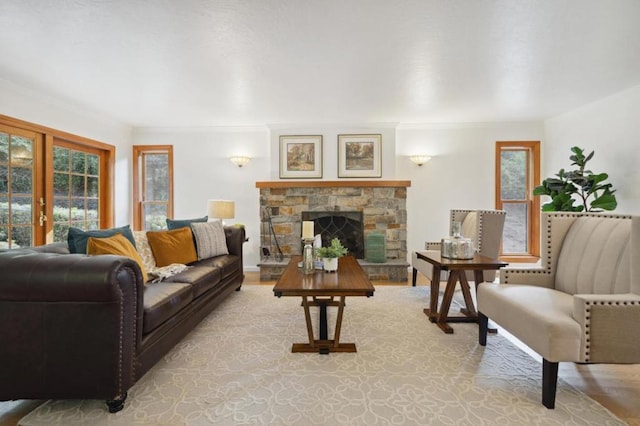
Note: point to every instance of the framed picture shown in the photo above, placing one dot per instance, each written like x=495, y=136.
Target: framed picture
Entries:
x=359, y=156
x=300, y=156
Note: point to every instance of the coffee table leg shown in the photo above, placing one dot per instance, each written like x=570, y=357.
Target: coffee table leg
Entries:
x=336, y=336
x=307, y=317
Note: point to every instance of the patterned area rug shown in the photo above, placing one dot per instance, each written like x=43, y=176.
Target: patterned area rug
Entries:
x=237, y=368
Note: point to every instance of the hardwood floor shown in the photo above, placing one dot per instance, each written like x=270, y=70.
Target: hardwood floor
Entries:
x=616, y=387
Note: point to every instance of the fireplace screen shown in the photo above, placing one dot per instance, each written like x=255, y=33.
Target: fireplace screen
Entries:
x=348, y=227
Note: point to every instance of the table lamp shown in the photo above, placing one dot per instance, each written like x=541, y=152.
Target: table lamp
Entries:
x=221, y=209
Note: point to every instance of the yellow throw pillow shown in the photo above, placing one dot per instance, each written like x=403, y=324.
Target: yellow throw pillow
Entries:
x=116, y=244
x=175, y=246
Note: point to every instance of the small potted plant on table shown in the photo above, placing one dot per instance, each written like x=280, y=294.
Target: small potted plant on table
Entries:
x=330, y=255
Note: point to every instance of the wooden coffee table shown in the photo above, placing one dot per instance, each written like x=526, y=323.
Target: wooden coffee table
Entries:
x=322, y=288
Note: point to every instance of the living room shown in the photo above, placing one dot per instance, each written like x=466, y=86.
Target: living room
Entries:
x=562, y=73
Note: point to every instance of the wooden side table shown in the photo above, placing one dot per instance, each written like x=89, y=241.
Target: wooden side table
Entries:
x=457, y=269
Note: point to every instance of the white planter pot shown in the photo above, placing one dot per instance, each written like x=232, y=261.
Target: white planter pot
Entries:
x=330, y=264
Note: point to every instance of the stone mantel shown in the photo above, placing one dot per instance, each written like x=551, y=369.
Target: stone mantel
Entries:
x=334, y=184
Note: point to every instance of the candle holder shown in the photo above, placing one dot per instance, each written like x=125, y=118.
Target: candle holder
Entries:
x=308, y=264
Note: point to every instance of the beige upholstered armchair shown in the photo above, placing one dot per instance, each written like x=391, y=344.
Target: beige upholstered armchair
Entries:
x=582, y=304
x=484, y=227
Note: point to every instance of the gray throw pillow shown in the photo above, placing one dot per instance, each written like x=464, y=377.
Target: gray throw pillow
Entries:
x=210, y=239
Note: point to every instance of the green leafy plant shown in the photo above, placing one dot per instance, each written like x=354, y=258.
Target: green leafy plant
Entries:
x=336, y=249
x=582, y=185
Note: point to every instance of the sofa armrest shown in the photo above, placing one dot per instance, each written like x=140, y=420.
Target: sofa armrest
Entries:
x=609, y=323
x=528, y=276
x=235, y=239
x=68, y=316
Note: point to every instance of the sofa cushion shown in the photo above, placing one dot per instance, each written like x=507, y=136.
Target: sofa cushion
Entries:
x=175, y=246
x=210, y=239
x=541, y=317
x=77, y=238
x=182, y=223
x=228, y=264
x=162, y=301
x=119, y=245
x=202, y=278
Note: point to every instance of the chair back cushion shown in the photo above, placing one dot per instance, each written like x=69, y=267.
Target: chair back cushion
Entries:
x=595, y=257
x=468, y=228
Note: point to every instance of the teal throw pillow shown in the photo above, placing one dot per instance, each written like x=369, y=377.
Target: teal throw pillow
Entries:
x=77, y=238
x=183, y=223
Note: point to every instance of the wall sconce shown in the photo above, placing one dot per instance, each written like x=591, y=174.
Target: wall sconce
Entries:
x=419, y=159
x=240, y=160
x=221, y=209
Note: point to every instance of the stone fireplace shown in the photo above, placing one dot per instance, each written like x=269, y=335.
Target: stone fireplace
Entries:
x=341, y=208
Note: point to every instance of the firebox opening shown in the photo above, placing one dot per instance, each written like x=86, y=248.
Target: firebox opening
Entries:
x=348, y=227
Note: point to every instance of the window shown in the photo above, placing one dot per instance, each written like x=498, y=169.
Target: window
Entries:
x=50, y=180
x=153, y=186
x=517, y=173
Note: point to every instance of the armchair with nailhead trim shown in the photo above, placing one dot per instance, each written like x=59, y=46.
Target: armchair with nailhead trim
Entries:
x=484, y=227
x=583, y=303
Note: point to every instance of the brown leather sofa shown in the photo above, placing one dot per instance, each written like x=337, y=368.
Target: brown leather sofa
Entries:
x=74, y=326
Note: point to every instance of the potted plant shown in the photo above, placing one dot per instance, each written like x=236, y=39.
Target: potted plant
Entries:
x=588, y=187
x=330, y=254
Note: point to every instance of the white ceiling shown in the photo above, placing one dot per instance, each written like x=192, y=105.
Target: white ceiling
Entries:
x=251, y=62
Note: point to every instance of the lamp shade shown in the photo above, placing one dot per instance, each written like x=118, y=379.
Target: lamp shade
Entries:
x=240, y=160
x=419, y=159
x=221, y=209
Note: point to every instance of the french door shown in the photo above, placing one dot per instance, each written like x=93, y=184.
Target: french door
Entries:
x=22, y=213
x=49, y=181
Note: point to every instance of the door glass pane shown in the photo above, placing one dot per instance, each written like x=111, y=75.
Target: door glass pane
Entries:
x=4, y=147
x=61, y=212
x=4, y=222
x=61, y=184
x=77, y=186
x=21, y=236
x=60, y=232
x=93, y=164
x=155, y=216
x=513, y=170
x=77, y=162
x=4, y=237
x=4, y=179
x=21, y=180
x=92, y=186
x=78, y=211
x=92, y=209
x=21, y=151
x=60, y=159
x=514, y=237
x=21, y=210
